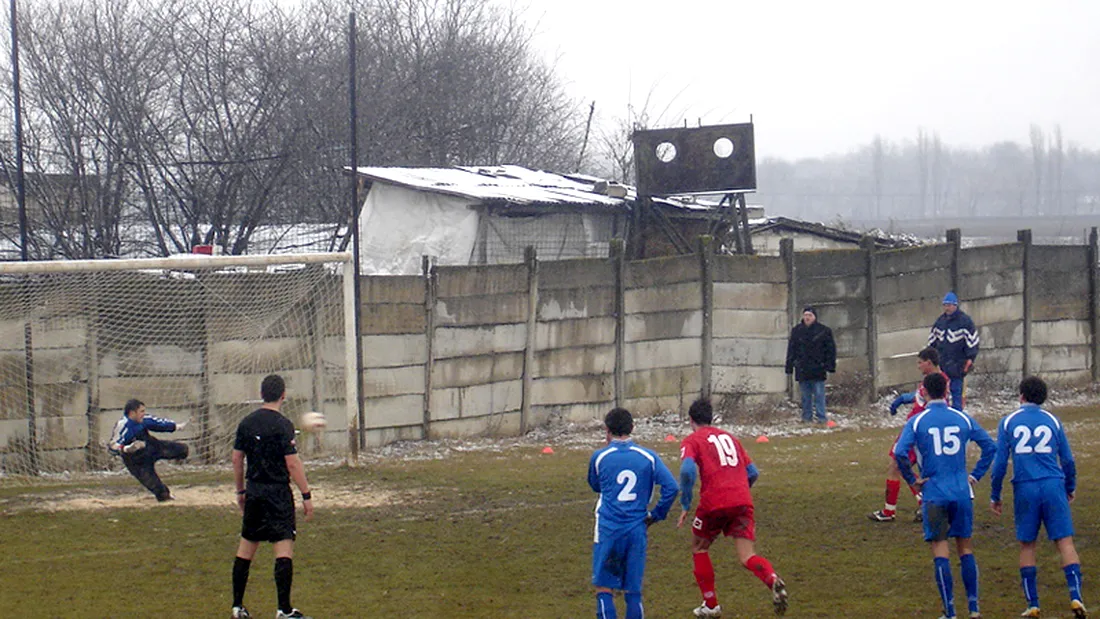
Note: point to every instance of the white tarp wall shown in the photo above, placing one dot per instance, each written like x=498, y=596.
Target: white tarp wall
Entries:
x=398, y=226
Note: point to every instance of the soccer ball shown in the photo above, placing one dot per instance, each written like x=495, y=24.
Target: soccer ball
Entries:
x=312, y=421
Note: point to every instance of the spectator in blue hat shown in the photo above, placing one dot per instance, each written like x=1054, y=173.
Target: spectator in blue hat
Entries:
x=956, y=340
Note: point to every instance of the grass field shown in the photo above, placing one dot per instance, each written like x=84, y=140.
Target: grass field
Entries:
x=507, y=533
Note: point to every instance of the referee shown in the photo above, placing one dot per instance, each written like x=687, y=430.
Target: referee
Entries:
x=265, y=438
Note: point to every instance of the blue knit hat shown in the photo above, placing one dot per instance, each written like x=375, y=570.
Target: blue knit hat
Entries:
x=950, y=298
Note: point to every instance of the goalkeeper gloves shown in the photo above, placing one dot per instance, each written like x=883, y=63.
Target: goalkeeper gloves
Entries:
x=898, y=401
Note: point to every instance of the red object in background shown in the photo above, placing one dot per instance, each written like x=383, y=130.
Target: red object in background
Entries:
x=203, y=249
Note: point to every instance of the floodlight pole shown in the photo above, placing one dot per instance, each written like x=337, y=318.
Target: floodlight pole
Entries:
x=24, y=251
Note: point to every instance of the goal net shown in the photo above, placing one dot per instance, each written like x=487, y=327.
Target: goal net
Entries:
x=192, y=337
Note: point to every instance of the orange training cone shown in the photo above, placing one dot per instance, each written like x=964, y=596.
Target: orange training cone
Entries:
x=670, y=439
x=548, y=450
x=830, y=424
x=762, y=439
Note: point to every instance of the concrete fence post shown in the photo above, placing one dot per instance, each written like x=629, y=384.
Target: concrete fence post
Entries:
x=530, y=258
x=1094, y=300
x=430, y=291
x=1024, y=237
x=618, y=257
x=868, y=245
x=954, y=238
x=706, y=244
x=786, y=252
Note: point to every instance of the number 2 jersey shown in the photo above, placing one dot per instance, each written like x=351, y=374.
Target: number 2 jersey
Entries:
x=624, y=474
x=723, y=468
x=1037, y=443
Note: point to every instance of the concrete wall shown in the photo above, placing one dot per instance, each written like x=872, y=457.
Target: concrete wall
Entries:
x=478, y=344
x=575, y=352
x=496, y=349
x=991, y=291
x=749, y=346
x=663, y=299
x=1061, y=337
x=909, y=287
x=835, y=283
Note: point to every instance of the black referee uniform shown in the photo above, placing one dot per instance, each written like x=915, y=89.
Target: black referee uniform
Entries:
x=266, y=437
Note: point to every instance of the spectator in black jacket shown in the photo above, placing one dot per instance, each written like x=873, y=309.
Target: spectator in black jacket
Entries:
x=811, y=353
x=956, y=339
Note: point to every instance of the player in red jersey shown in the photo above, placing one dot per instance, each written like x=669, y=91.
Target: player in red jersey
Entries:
x=725, y=506
x=928, y=362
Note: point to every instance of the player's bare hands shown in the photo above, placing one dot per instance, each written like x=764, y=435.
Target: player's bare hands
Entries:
x=1070, y=496
x=996, y=507
x=919, y=485
x=240, y=503
x=683, y=517
x=307, y=506
x=135, y=446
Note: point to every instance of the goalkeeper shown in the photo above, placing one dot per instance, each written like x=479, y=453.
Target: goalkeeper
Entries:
x=140, y=450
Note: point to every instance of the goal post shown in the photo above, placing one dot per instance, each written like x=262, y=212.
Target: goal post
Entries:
x=191, y=336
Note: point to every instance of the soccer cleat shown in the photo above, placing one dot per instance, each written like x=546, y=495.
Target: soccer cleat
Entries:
x=975, y=615
x=706, y=611
x=1078, y=608
x=1032, y=612
x=880, y=516
x=293, y=614
x=917, y=516
x=779, y=596
x=240, y=612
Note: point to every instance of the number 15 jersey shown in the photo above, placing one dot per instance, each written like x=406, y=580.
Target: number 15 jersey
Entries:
x=722, y=462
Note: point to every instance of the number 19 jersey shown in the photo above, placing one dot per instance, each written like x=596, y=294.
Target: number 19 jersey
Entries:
x=722, y=463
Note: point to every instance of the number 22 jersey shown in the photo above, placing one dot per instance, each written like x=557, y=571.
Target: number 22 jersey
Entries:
x=722, y=462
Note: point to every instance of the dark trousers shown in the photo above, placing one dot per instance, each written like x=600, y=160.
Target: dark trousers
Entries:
x=142, y=464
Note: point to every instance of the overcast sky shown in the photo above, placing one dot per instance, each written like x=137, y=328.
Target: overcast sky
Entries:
x=824, y=77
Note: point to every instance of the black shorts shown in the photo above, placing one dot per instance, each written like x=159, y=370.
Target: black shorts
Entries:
x=268, y=513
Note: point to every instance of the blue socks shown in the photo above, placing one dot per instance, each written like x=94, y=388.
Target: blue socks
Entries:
x=969, y=568
x=1030, y=586
x=1073, y=579
x=605, y=606
x=634, y=606
x=945, y=585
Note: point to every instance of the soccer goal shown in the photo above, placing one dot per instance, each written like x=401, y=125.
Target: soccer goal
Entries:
x=190, y=336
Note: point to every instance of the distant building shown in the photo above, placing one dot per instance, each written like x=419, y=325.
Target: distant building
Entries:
x=489, y=215
x=809, y=236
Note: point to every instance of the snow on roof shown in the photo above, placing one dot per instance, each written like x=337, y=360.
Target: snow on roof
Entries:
x=512, y=185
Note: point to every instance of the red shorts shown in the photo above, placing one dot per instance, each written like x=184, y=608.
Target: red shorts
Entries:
x=734, y=521
x=912, y=452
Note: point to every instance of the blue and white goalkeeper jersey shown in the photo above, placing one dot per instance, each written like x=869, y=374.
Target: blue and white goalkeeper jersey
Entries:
x=624, y=474
x=1036, y=441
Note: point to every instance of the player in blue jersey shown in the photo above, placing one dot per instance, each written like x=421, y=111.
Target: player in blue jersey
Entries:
x=1044, y=479
x=940, y=436
x=624, y=475
x=140, y=450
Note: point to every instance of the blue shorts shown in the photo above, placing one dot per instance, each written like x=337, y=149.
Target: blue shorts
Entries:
x=944, y=519
x=1042, y=501
x=619, y=562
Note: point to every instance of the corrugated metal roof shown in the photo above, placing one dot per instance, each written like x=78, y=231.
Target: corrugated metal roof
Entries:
x=511, y=185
